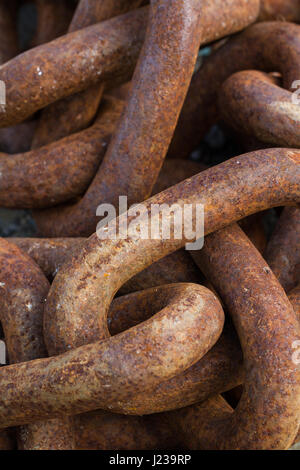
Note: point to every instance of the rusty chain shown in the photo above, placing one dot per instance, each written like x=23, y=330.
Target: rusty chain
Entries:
x=142, y=341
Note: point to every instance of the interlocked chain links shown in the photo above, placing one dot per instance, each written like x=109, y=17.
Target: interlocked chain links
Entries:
x=61, y=170
x=76, y=113
x=124, y=313
x=232, y=20
x=284, y=190
x=249, y=49
x=184, y=26
x=268, y=113
x=269, y=46
x=287, y=10
x=217, y=407
x=184, y=308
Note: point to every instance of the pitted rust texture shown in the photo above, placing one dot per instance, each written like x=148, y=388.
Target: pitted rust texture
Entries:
x=99, y=374
x=55, y=434
x=283, y=250
x=268, y=46
x=119, y=39
x=294, y=298
x=76, y=112
x=125, y=359
x=284, y=161
x=219, y=370
x=136, y=153
x=103, y=52
x=267, y=416
x=23, y=291
x=51, y=253
x=281, y=10
x=59, y=171
x=62, y=170
x=221, y=367
x=116, y=172
x=229, y=192
x=251, y=103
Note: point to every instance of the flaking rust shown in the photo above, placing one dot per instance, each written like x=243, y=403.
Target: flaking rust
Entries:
x=131, y=342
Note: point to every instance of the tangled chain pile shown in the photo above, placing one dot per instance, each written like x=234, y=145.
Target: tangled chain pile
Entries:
x=135, y=342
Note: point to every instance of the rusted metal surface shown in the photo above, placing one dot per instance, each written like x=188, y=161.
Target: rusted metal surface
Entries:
x=274, y=182
x=66, y=296
x=9, y=47
x=23, y=291
x=59, y=171
x=267, y=416
x=269, y=46
x=51, y=253
x=8, y=31
x=107, y=51
x=254, y=105
x=274, y=193
x=80, y=220
x=163, y=352
x=285, y=189
x=235, y=394
x=119, y=39
x=283, y=250
x=218, y=370
x=76, y=113
x=101, y=430
x=129, y=169
x=189, y=323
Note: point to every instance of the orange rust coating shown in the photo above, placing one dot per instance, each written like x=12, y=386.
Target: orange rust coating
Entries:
x=229, y=192
x=76, y=112
x=268, y=46
x=267, y=416
x=119, y=38
x=252, y=104
x=59, y=171
x=53, y=19
x=132, y=169
x=97, y=375
x=71, y=63
x=281, y=10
